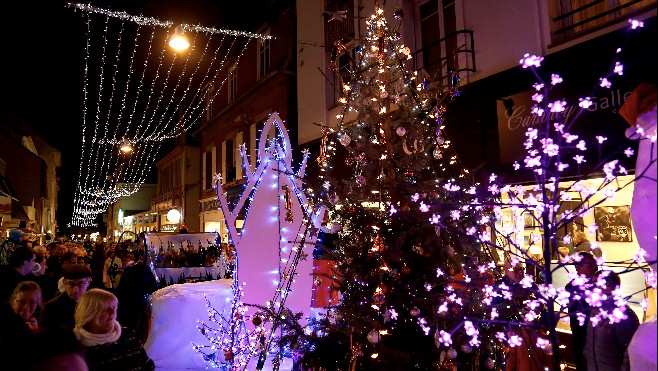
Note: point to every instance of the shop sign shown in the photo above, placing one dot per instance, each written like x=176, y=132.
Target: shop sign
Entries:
x=210, y=205
x=601, y=118
x=168, y=228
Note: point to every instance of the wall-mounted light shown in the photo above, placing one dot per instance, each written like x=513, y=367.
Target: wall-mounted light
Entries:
x=178, y=40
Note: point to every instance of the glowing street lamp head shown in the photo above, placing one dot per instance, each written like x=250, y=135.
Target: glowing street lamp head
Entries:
x=178, y=40
x=126, y=147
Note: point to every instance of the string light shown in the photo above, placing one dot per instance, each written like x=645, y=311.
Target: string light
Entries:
x=142, y=111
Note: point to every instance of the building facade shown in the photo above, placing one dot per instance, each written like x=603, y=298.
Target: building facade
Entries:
x=29, y=179
x=263, y=82
x=131, y=213
x=177, y=200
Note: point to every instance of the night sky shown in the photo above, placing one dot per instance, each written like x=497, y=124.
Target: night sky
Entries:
x=43, y=58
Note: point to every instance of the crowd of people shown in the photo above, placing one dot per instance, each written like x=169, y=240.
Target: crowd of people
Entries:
x=84, y=305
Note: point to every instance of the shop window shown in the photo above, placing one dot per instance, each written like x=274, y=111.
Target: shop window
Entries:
x=574, y=18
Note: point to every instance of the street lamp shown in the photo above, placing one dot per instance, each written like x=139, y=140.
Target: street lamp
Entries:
x=178, y=40
x=126, y=147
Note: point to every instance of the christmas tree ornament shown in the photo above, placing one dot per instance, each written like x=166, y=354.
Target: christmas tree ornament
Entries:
x=489, y=364
x=401, y=131
x=377, y=244
x=323, y=158
x=415, y=312
x=257, y=321
x=466, y=348
x=399, y=14
x=440, y=140
x=360, y=180
x=228, y=356
x=379, y=298
x=452, y=353
x=373, y=139
x=373, y=337
x=405, y=270
x=345, y=140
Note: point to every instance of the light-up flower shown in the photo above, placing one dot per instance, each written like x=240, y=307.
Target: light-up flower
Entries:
x=585, y=102
x=537, y=97
x=635, y=23
x=557, y=106
x=555, y=79
x=536, y=110
x=444, y=338
x=530, y=61
x=619, y=68
x=424, y=208
x=538, y=86
x=629, y=152
x=605, y=83
x=601, y=139
x=581, y=145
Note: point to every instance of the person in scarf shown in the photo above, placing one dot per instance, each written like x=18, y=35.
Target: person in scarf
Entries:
x=108, y=345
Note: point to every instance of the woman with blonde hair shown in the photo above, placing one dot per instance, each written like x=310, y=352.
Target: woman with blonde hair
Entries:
x=109, y=346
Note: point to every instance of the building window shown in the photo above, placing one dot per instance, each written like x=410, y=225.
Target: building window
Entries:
x=264, y=56
x=210, y=96
x=229, y=160
x=338, y=31
x=438, y=26
x=232, y=83
x=574, y=18
x=208, y=170
x=345, y=63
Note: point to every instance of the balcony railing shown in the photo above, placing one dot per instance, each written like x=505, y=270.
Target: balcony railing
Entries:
x=576, y=20
x=440, y=62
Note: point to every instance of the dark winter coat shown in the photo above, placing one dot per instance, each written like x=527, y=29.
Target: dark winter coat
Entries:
x=126, y=354
x=59, y=312
x=606, y=344
x=9, y=279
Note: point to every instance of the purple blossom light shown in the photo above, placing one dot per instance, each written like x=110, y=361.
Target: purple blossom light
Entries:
x=619, y=68
x=556, y=79
x=629, y=152
x=635, y=24
x=445, y=338
x=585, y=102
x=557, y=106
x=537, y=97
x=538, y=86
x=530, y=61
x=537, y=110
x=605, y=83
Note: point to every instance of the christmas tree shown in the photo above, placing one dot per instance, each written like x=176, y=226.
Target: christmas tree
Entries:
x=389, y=250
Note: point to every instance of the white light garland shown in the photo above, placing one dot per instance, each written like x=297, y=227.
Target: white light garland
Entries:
x=166, y=99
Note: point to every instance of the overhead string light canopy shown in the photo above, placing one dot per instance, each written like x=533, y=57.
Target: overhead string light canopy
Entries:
x=145, y=81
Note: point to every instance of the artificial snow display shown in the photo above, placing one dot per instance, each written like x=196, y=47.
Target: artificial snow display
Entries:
x=175, y=312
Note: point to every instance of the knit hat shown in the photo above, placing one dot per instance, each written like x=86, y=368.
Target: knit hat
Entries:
x=15, y=234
